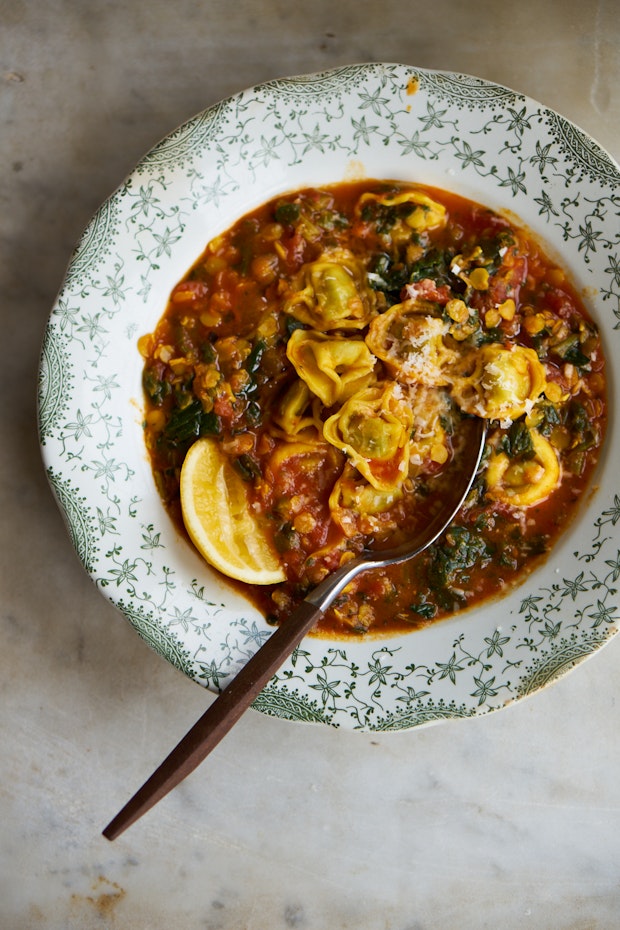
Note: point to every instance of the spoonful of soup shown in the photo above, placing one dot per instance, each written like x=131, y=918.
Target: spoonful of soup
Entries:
x=249, y=682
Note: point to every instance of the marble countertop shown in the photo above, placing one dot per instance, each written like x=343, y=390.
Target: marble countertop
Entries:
x=512, y=820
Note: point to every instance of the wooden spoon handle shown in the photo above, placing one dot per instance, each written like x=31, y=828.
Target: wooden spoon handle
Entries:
x=219, y=718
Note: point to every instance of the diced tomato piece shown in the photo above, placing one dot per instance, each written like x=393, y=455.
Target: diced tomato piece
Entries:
x=189, y=291
x=561, y=303
x=427, y=289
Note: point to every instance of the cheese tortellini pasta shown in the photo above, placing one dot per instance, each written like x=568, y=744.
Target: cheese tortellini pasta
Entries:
x=358, y=506
x=504, y=382
x=297, y=413
x=374, y=429
x=524, y=482
x=333, y=367
x=331, y=294
x=410, y=339
x=418, y=212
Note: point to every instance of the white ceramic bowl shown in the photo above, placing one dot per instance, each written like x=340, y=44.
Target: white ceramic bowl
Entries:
x=456, y=132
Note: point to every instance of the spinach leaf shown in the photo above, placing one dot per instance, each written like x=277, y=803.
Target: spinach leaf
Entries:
x=189, y=423
x=252, y=363
x=386, y=275
x=291, y=324
x=459, y=551
x=583, y=433
x=382, y=215
x=435, y=264
x=424, y=609
x=247, y=467
x=208, y=353
x=155, y=388
x=569, y=350
x=551, y=417
x=286, y=213
x=517, y=442
x=493, y=249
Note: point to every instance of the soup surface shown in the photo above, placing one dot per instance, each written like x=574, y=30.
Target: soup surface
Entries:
x=331, y=348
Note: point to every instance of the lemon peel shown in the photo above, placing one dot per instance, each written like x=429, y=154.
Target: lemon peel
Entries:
x=217, y=516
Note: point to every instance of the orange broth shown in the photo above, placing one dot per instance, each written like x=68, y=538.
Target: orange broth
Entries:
x=216, y=364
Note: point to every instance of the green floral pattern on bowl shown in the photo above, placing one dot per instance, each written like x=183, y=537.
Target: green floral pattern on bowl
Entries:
x=381, y=121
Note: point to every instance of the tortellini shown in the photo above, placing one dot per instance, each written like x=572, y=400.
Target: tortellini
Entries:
x=504, y=384
x=425, y=213
x=333, y=367
x=373, y=428
x=357, y=506
x=332, y=294
x=524, y=482
x=297, y=413
x=297, y=457
x=410, y=340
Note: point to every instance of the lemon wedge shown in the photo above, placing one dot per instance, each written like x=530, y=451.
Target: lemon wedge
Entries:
x=217, y=516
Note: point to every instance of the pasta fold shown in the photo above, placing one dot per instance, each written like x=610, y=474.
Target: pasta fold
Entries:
x=409, y=338
x=373, y=428
x=423, y=214
x=332, y=293
x=297, y=413
x=503, y=383
x=356, y=505
x=524, y=483
x=333, y=367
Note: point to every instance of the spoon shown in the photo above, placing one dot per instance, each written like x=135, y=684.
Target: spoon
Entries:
x=228, y=707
